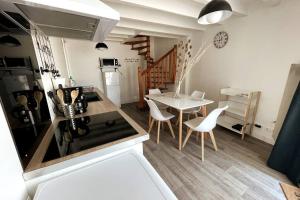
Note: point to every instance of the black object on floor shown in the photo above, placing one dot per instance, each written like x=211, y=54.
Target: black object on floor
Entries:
x=285, y=156
x=237, y=127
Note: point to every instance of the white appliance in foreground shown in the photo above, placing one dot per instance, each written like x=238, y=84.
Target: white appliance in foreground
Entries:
x=111, y=85
x=127, y=176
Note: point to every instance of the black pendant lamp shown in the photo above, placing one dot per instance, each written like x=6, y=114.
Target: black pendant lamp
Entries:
x=10, y=41
x=214, y=12
x=101, y=46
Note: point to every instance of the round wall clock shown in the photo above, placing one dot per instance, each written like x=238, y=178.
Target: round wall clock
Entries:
x=221, y=39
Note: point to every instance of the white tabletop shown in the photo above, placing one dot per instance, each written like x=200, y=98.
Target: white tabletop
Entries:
x=182, y=102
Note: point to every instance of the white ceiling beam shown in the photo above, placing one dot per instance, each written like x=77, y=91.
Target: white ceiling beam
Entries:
x=123, y=31
x=114, y=39
x=237, y=6
x=179, y=7
x=155, y=16
x=118, y=36
x=163, y=35
x=187, y=8
x=152, y=27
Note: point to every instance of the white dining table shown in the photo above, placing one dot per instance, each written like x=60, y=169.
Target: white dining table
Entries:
x=180, y=103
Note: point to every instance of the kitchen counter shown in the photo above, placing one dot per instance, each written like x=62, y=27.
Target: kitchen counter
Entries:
x=94, y=108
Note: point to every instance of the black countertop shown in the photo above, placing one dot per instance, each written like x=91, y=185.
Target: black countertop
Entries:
x=88, y=132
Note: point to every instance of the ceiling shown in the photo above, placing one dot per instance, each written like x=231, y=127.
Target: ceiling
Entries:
x=166, y=18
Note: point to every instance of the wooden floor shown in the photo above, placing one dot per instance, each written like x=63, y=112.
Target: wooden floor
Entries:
x=236, y=171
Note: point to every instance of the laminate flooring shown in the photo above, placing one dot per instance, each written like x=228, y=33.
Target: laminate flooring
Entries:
x=237, y=170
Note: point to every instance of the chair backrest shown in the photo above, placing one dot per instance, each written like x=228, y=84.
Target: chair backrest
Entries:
x=210, y=121
x=154, y=111
x=198, y=94
x=154, y=91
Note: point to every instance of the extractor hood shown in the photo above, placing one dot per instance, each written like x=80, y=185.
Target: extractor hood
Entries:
x=79, y=19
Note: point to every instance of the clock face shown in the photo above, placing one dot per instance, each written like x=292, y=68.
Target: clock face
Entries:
x=221, y=39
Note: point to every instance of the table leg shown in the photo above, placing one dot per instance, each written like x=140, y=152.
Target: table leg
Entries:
x=180, y=130
x=204, y=114
x=204, y=111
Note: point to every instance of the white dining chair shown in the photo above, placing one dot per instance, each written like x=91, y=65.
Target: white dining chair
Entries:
x=159, y=105
x=196, y=95
x=160, y=116
x=204, y=125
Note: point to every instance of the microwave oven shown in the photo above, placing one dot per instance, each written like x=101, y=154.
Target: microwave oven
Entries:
x=109, y=62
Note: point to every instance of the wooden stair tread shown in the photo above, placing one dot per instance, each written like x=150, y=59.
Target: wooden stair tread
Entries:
x=163, y=82
x=138, y=48
x=159, y=72
x=137, y=36
x=135, y=42
x=142, y=53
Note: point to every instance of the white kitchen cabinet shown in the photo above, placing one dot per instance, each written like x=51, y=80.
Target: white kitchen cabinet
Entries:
x=127, y=176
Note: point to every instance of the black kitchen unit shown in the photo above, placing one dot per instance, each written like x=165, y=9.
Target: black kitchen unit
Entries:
x=88, y=132
x=27, y=139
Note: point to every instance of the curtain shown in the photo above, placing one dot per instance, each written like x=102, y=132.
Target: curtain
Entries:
x=285, y=156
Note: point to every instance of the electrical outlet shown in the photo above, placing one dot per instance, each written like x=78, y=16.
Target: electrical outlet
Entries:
x=257, y=125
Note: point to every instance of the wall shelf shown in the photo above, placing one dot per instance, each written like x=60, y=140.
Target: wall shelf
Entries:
x=16, y=64
x=29, y=68
x=228, y=122
x=241, y=111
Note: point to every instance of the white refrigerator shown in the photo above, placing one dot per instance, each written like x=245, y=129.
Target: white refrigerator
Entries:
x=112, y=86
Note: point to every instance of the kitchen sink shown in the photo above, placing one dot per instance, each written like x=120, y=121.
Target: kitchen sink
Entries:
x=92, y=96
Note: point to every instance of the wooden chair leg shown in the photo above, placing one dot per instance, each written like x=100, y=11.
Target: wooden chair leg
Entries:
x=196, y=115
x=202, y=146
x=149, y=120
x=212, y=137
x=204, y=111
x=151, y=125
x=187, y=136
x=171, y=129
x=158, y=132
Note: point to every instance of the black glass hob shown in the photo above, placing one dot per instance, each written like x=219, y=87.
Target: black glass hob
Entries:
x=27, y=139
x=72, y=136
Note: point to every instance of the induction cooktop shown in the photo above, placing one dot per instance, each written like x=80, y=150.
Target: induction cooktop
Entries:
x=72, y=136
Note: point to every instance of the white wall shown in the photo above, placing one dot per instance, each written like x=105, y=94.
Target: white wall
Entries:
x=11, y=173
x=84, y=65
x=261, y=48
x=162, y=46
x=59, y=55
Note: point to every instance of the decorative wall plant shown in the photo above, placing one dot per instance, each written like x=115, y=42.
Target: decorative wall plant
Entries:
x=185, y=62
